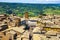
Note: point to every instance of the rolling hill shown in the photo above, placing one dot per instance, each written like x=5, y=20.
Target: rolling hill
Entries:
x=32, y=9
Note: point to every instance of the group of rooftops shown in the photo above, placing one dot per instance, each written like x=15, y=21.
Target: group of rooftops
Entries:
x=44, y=24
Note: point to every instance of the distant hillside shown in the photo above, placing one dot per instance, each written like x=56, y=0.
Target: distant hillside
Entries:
x=33, y=9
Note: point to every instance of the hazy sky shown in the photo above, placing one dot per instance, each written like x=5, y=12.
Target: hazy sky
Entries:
x=32, y=1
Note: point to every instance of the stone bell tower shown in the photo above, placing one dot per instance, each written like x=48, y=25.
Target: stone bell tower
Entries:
x=26, y=16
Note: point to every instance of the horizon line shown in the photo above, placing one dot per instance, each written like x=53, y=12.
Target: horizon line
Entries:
x=33, y=3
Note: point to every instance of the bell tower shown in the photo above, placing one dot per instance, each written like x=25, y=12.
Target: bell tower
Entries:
x=26, y=16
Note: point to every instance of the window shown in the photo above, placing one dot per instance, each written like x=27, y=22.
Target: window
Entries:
x=48, y=37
